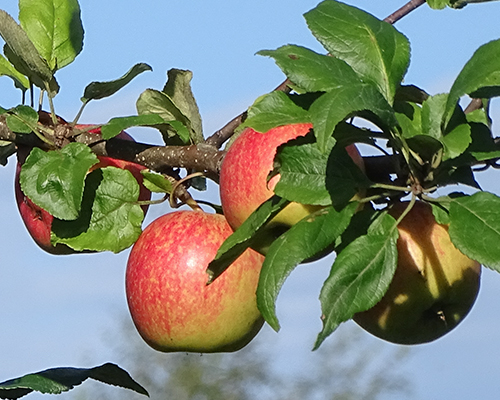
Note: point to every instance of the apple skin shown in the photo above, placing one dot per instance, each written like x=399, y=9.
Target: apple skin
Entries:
x=38, y=222
x=434, y=286
x=243, y=179
x=170, y=303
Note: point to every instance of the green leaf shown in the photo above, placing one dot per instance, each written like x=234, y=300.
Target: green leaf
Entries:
x=373, y=48
x=457, y=141
x=22, y=119
x=409, y=116
x=55, y=28
x=178, y=89
x=110, y=219
x=310, y=71
x=275, y=109
x=304, y=240
x=22, y=53
x=118, y=124
x=7, y=69
x=100, y=90
x=480, y=77
x=243, y=237
x=54, y=180
x=155, y=102
x=337, y=105
x=359, y=278
x=58, y=380
x=156, y=183
x=438, y=4
x=310, y=176
x=475, y=227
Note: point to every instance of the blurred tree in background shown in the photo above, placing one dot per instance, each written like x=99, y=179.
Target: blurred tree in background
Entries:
x=349, y=366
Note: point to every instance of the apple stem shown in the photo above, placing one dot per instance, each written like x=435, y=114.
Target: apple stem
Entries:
x=189, y=200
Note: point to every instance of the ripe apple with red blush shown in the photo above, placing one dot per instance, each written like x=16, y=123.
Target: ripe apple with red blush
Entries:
x=39, y=222
x=244, y=185
x=170, y=302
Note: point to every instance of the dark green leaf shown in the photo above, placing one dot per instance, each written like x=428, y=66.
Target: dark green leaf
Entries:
x=23, y=54
x=55, y=28
x=304, y=240
x=159, y=103
x=359, y=278
x=7, y=69
x=6, y=150
x=100, y=90
x=58, y=380
x=373, y=48
x=310, y=71
x=480, y=77
x=110, y=219
x=242, y=238
x=178, y=89
x=475, y=227
x=54, y=180
x=337, y=105
x=22, y=119
x=118, y=124
x=275, y=109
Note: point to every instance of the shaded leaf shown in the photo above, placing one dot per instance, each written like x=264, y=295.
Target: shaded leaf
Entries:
x=55, y=28
x=155, y=102
x=337, y=105
x=359, y=277
x=100, y=90
x=373, y=48
x=22, y=53
x=54, y=180
x=178, y=89
x=110, y=219
x=242, y=238
x=304, y=240
x=58, y=380
x=475, y=227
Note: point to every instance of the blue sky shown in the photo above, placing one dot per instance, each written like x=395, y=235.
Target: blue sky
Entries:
x=54, y=309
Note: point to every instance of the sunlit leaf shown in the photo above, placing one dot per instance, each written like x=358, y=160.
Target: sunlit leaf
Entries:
x=304, y=240
x=373, y=48
x=55, y=28
x=54, y=180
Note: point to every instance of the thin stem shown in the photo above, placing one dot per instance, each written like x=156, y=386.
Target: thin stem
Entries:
x=404, y=11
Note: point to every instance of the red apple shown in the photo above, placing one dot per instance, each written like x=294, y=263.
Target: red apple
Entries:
x=39, y=222
x=167, y=293
x=243, y=178
x=434, y=286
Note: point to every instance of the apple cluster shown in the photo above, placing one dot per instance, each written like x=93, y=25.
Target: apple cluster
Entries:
x=175, y=309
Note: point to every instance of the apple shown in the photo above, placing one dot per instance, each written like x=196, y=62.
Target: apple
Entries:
x=39, y=222
x=169, y=300
x=244, y=185
x=434, y=286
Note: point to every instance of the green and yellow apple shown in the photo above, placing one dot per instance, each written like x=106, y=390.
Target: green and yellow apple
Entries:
x=244, y=173
x=434, y=286
x=169, y=300
x=38, y=221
